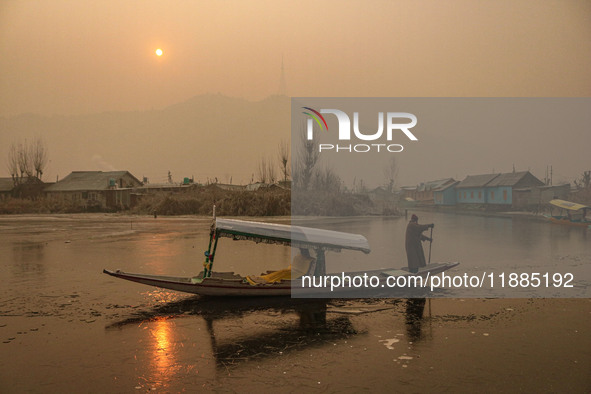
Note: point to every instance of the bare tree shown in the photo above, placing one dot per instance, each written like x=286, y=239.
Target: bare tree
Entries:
x=284, y=158
x=26, y=160
x=272, y=175
x=12, y=163
x=326, y=180
x=359, y=186
x=261, y=171
x=266, y=171
x=584, y=182
x=307, y=159
x=38, y=152
x=391, y=173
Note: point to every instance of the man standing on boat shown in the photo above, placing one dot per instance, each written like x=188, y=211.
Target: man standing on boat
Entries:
x=414, y=248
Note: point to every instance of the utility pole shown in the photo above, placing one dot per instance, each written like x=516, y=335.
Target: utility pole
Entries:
x=282, y=83
x=546, y=177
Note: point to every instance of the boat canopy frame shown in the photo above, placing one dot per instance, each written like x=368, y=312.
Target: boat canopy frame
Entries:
x=281, y=234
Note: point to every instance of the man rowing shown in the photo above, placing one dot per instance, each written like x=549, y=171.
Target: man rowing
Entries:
x=414, y=248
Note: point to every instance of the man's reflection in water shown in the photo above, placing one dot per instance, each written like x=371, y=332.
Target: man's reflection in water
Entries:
x=313, y=318
x=414, y=318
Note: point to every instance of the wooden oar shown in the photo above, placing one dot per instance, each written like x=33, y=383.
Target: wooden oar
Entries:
x=430, y=243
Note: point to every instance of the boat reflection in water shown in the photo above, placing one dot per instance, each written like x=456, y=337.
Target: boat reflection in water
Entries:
x=310, y=328
x=202, y=337
x=290, y=325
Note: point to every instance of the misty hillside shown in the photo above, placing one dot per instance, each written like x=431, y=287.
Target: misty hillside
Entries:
x=214, y=136
x=207, y=136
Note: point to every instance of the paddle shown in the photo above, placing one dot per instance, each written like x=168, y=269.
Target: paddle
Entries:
x=430, y=243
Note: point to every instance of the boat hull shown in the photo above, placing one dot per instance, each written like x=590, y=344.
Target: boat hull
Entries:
x=208, y=286
x=569, y=222
x=230, y=285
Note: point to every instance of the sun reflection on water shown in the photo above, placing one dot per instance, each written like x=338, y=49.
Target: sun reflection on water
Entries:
x=163, y=352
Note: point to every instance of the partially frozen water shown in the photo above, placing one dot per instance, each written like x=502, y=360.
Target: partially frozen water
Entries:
x=65, y=326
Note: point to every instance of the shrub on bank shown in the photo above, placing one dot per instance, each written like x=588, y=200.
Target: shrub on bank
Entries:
x=38, y=206
x=315, y=203
x=200, y=201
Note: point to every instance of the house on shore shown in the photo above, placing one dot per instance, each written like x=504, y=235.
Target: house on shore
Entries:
x=29, y=187
x=151, y=188
x=445, y=194
x=229, y=187
x=494, y=189
x=95, y=189
x=472, y=190
x=425, y=192
x=252, y=187
x=6, y=187
x=384, y=200
x=536, y=197
x=500, y=189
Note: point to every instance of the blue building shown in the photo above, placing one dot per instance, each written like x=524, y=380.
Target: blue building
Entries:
x=493, y=189
x=472, y=190
x=424, y=193
x=500, y=189
x=446, y=194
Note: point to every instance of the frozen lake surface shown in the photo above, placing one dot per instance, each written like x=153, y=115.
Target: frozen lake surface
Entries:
x=65, y=326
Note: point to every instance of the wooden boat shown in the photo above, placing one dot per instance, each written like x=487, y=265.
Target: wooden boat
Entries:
x=571, y=213
x=213, y=283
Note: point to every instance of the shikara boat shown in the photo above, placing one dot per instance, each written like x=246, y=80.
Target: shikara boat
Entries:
x=571, y=213
x=275, y=283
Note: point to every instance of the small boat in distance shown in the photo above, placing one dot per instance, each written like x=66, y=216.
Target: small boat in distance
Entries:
x=274, y=283
x=571, y=213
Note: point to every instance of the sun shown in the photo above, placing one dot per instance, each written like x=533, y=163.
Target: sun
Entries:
x=159, y=52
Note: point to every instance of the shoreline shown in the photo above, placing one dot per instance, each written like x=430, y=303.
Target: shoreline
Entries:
x=483, y=213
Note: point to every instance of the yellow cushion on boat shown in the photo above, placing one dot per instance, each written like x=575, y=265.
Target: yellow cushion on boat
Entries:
x=297, y=268
x=277, y=276
x=272, y=277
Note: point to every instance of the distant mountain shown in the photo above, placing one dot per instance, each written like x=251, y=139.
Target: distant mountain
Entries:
x=206, y=136
x=211, y=136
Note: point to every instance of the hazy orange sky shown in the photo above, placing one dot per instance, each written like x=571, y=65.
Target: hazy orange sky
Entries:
x=74, y=57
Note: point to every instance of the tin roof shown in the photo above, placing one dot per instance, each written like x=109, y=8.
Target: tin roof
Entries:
x=446, y=186
x=476, y=180
x=505, y=179
x=434, y=185
x=89, y=180
x=509, y=179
